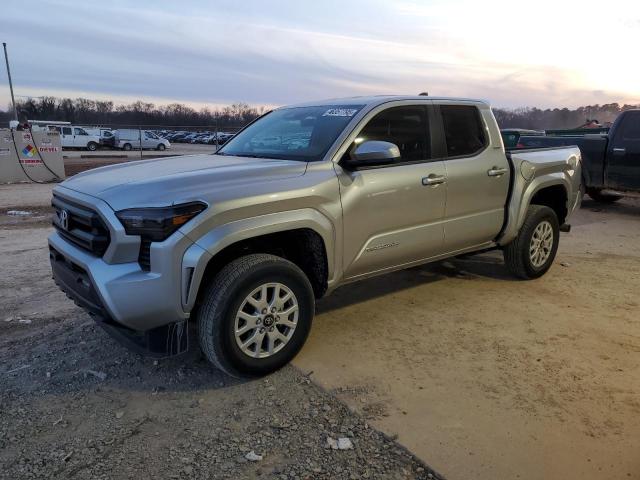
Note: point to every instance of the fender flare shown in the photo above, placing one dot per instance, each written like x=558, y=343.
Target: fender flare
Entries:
x=520, y=201
x=196, y=258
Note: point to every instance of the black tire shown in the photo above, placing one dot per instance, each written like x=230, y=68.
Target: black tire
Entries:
x=224, y=297
x=126, y=147
x=92, y=146
x=600, y=197
x=517, y=254
x=161, y=147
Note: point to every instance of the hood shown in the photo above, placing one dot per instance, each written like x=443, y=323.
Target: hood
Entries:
x=161, y=182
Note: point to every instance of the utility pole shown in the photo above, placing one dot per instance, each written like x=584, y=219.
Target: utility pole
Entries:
x=13, y=100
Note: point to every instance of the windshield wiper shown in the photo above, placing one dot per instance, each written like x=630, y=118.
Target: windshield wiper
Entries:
x=248, y=155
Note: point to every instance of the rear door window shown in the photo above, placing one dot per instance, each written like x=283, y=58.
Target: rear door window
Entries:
x=463, y=130
x=66, y=130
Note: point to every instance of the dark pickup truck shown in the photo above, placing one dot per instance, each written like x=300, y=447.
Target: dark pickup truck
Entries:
x=610, y=163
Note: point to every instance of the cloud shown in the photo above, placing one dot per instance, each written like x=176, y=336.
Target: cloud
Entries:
x=285, y=51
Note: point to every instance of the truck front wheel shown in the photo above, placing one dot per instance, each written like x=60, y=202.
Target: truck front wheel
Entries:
x=532, y=252
x=256, y=315
x=92, y=146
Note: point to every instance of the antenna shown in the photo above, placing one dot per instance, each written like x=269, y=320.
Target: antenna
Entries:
x=13, y=100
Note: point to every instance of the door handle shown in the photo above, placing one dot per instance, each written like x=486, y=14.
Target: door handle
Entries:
x=433, y=180
x=497, y=172
x=619, y=151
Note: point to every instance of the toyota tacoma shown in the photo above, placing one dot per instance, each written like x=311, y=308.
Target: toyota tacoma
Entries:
x=303, y=200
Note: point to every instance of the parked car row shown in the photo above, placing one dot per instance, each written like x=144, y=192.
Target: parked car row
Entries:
x=92, y=138
x=205, y=137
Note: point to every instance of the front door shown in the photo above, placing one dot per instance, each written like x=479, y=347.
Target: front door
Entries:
x=80, y=137
x=478, y=175
x=66, y=140
x=623, y=155
x=392, y=215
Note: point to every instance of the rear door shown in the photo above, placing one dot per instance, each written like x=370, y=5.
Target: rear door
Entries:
x=478, y=175
x=623, y=155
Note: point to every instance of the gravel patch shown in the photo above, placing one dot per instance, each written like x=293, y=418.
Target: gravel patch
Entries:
x=75, y=404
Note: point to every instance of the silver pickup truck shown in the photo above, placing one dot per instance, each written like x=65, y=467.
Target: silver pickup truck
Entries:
x=303, y=200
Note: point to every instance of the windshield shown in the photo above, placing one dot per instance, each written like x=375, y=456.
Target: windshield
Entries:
x=300, y=133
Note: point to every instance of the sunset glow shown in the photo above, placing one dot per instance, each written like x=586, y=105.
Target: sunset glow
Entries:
x=544, y=53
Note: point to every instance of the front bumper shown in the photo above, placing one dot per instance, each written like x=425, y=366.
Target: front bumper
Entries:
x=152, y=306
x=75, y=282
x=138, y=299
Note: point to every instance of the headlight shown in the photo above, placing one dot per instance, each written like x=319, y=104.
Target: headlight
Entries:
x=157, y=224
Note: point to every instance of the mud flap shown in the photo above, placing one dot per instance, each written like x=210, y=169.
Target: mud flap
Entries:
x=161, y=342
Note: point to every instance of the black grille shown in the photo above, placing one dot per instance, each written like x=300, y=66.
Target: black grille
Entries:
x=83, y=226
x=144, y=257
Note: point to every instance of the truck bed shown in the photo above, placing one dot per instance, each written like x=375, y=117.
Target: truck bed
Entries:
x=533, y=167
x=593, y=148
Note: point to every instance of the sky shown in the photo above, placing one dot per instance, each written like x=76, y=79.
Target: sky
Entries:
x=543, y=53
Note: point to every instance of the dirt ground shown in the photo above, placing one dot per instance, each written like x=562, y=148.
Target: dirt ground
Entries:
x=76, y=405
x=484, y=376
x=479, y=375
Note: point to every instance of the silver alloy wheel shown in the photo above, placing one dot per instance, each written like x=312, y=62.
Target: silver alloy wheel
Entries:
x=266, y=320
x=541, y=244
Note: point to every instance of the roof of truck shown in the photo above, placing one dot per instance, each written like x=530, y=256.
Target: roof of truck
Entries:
x=379, y=99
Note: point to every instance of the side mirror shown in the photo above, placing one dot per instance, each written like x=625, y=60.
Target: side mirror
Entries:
x=372, y=153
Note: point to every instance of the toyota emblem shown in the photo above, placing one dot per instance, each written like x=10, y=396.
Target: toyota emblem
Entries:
x=64, y=219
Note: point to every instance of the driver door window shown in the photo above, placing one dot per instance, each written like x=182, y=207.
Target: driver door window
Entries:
x=406, y=127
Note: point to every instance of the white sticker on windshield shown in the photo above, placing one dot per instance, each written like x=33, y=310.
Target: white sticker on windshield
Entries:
x=340, y=112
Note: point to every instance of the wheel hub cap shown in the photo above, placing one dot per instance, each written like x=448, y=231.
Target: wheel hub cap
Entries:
x=541, y=244
x=266, y=320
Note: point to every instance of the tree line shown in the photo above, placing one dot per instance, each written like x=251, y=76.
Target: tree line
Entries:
x=83, y=111
x=98, y=112
x=556, y=118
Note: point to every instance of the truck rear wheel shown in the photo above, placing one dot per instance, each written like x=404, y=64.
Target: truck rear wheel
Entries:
x=532, y=252
x=256, y=315
x=126, y=147
x=598, y=196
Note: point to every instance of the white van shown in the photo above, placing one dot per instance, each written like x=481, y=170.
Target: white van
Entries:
x=129, y=138
x=77, y=137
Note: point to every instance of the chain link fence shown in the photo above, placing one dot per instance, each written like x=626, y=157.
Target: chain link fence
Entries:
x=109, y=137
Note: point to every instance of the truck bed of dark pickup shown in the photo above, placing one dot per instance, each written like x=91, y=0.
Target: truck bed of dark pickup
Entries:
x=610, y=161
